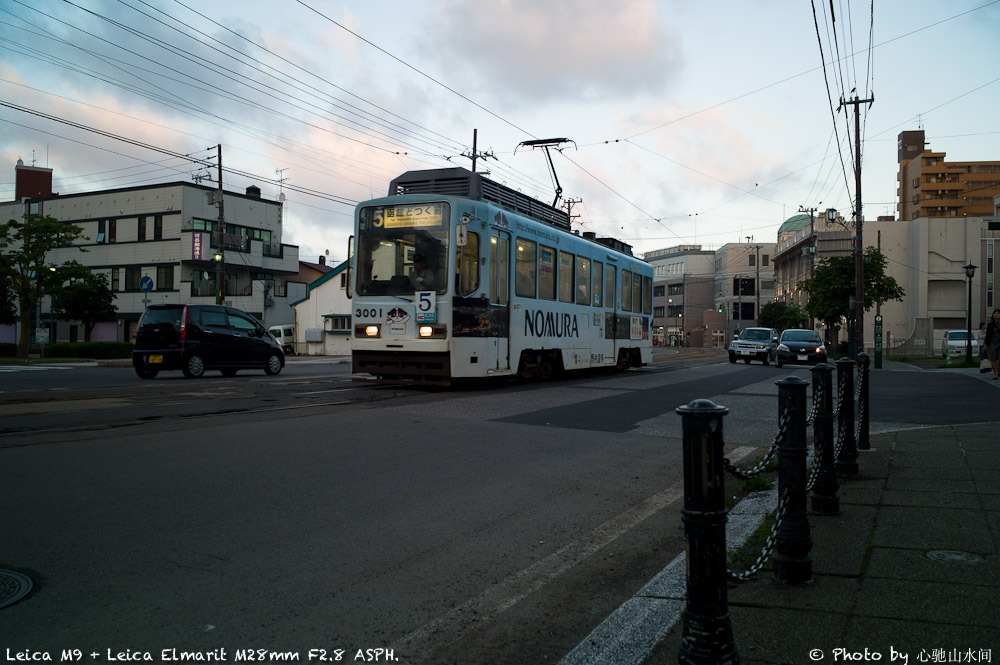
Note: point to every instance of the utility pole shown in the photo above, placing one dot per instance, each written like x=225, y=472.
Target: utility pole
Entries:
x=812, y=251
x=756, y=287
x=221, y=272
x=858, y=344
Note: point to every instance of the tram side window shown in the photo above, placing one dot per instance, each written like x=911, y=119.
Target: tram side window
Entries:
x=546, y=272
x=626, y=290
x=647, y=295
x=582, y=281
x=565, y=277
x=597, y=287
x=498, y=270
x=525, y=268
x=467, y=266
x=609, y=286
x=636, y=292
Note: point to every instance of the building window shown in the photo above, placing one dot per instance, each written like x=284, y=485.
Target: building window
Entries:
x=659, y=291
x=675, y=311
x=676, y=289
x=340, y=322
x=752, y=260
x=132, y=277
x=658, y=312
x=158, y=227
x=141, y=232
x=115, y=279
x=101, y=231
x=764, y=260
x=164, y=278
x=112, y=230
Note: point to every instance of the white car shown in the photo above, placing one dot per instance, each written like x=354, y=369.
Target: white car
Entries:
x=954, y=343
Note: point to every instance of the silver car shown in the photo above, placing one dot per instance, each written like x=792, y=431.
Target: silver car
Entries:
x=755, y=344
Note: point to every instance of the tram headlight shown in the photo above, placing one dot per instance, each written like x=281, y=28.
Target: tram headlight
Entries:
x=367, y=330
x=438, y=331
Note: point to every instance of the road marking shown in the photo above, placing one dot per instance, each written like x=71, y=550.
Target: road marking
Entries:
x=454, y=625
x=31, y=368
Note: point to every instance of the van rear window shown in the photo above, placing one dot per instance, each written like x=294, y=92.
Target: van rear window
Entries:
x=154, y=316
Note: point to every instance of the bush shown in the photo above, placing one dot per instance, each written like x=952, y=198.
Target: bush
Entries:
x=94, y=350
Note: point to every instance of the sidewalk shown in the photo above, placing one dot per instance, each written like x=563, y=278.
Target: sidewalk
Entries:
x=908, y=572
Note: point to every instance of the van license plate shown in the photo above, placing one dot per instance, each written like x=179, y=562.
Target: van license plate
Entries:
x=155, y=359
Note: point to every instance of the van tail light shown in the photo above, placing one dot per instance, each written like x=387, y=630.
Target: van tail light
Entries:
x=184, y=320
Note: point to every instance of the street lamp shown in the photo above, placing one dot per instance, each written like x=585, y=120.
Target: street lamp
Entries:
x=218, y=278
x=970, y=271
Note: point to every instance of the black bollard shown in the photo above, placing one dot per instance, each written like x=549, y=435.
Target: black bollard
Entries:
x=792, y=563
x=707, y=635
x=847, y=452
x=864, y=363
x=825, y=492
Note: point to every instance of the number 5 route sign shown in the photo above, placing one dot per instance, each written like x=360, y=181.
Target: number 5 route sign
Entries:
x=426, y=307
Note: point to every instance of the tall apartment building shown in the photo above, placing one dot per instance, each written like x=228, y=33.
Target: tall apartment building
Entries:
x=168, y=234
x=930, y=186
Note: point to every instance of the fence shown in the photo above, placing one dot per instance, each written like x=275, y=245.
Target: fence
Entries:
x=706, y=634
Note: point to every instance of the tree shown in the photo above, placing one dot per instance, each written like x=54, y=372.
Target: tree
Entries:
x=30, y=276
x=832, y=285
x=8, y=313
x=779, y=315
x=88, y=299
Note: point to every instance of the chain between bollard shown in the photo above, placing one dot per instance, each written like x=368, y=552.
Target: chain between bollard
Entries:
x=759, y=468
x=765, y=553
x=814, y=469
x=817, y=394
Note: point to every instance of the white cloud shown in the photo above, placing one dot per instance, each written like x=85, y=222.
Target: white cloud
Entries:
x=525, y=51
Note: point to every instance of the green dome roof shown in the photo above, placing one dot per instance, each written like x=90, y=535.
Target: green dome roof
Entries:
x=793, y=224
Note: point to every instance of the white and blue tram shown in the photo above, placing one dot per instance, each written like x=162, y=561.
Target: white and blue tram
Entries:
x=456, y=276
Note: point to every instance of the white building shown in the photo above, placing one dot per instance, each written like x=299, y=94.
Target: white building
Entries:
x=165, y=238
x=323, y=317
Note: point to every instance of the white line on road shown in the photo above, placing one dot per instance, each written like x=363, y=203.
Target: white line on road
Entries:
x=452, y=626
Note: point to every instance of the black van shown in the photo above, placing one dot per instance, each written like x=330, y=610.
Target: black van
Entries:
x=193, y=338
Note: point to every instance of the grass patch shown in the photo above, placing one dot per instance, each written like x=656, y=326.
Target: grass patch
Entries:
x=746, y=556
x=756, y=484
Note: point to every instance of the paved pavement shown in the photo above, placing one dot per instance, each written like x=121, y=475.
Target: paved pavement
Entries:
x=908, y=572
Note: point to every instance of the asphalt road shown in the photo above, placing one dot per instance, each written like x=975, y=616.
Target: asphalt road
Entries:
x=484, y=525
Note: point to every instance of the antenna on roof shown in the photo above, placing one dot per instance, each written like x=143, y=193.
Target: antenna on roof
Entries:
x=546, y=144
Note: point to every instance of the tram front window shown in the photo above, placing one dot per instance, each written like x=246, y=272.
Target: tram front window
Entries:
x=403, y=249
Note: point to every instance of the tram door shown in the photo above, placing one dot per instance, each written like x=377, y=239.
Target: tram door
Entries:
x=499, y=348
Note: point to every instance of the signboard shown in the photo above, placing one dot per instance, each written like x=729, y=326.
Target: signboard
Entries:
x=408, y=216
x=41, y=336
x=196, y=246
x=146, y=284
x=878, y=342
x=426, y=307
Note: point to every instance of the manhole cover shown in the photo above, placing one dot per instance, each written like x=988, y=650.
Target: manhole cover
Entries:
x=953, y=556
x=13, y=587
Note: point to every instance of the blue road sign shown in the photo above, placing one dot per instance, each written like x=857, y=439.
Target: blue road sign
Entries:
x=146, y=283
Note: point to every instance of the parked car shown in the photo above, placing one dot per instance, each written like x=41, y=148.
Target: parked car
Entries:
x=801, y=347
x=285, y=336
x=195, y=338
x=954, y=341
x=754, y=344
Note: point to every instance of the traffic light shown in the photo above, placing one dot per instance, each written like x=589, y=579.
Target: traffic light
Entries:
x=720, y=308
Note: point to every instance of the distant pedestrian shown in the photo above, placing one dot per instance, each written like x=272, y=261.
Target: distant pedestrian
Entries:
x=981, y=338
x=993, y=343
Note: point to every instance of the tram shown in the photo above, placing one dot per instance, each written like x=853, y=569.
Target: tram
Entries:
x=454, y=276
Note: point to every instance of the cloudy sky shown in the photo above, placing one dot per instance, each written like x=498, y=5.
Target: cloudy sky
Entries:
x=693, y=122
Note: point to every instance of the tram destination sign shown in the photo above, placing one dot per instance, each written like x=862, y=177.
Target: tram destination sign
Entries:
x=409, y=216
